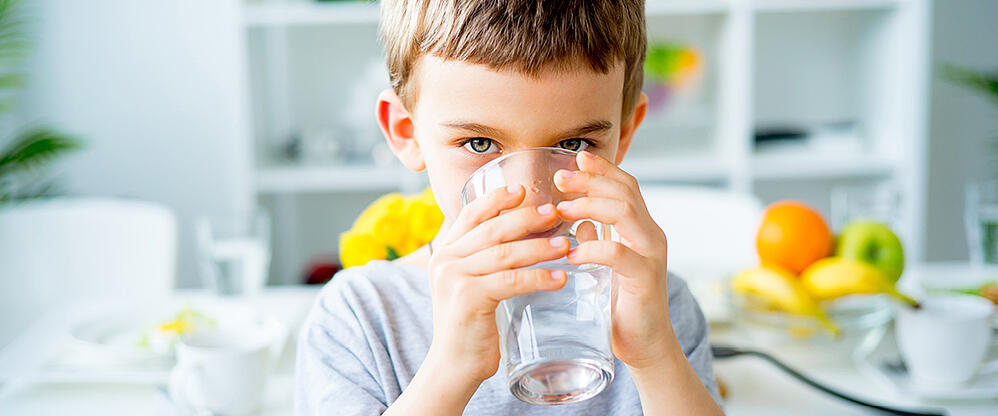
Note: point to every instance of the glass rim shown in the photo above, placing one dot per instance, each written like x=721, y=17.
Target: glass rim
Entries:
x=500, y=159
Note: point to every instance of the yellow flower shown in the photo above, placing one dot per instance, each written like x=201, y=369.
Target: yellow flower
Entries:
x=425, y=220
x=392, y=226
x=392, y=229
x=359, y=248
x=379, y=208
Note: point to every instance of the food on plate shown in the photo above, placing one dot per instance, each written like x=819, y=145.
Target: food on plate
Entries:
x=165, y=335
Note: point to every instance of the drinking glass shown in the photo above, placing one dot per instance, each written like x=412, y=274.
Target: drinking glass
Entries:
x=554, y=346
x=981, y=216
x=878, y=202
x=233, y=254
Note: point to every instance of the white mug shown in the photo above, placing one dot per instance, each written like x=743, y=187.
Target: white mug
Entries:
x=224, y=372
x=944, y=342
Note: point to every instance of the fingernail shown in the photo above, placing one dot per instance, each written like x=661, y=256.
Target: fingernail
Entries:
x=513, y=189
x=557, y=241
x=545, y=209
x=588, y=155
x=565, y=205
x=555, y=275
x=567, y=174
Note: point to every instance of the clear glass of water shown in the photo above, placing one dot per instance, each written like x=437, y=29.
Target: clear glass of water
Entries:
x=981, y=216
x=879, y=202
x=554, y=346
x=233, y=254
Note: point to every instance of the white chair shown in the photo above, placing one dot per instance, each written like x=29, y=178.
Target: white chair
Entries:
x=58, y=251
x=711, y=235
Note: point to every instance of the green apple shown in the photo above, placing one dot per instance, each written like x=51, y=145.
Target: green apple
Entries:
x=874, y=243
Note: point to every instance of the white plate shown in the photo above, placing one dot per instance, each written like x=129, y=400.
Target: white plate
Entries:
x=883, y=363
x=104, y=344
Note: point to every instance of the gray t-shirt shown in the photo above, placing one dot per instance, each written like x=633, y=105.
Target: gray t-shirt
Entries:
x=371, y=327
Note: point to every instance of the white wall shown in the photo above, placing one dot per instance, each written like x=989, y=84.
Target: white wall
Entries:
x=961, y=121
x=155, y=89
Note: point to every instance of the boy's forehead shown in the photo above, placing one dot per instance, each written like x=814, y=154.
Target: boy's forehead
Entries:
x=451, y=89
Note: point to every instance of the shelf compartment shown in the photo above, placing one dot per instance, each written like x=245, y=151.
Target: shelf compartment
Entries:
x=314, y=13
x=305, y=179
x=823, y=5
x=796, y=166
x=684, y=169
x=685, y=7
x=309, y=13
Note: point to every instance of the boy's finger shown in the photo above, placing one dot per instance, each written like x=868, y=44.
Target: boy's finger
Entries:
x=592, y=184
x=622, y=215
x=621, y=258
x=507, y=227
x=591, y=162
x=586, y=232
x=514, y=255
x=509, y=283
x=483, y=209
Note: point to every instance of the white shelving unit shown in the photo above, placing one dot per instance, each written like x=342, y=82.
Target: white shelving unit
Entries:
x=769, y=63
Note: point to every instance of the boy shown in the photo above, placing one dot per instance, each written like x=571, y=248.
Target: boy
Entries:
x=472, y=80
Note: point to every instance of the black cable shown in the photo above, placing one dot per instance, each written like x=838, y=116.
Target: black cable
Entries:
x=727, y=351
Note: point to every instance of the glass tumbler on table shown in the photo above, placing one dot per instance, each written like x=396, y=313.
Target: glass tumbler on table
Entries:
x=233, y=254
x=981, y=218
x=554, y=346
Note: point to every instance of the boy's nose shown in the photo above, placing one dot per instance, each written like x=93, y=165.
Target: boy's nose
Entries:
x=536, y=174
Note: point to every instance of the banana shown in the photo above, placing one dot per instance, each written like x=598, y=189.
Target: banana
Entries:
x=834, y=277
x=782, y=291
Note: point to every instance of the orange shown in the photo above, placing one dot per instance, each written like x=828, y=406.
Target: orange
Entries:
x=793, y=235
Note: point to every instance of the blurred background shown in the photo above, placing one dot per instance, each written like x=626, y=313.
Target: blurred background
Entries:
x=260, y=112
x=214, y=108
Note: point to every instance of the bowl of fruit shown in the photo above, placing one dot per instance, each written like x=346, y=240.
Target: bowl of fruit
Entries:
x=811, y=287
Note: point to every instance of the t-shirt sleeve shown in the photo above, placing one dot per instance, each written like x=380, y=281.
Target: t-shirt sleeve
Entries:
x=335, y=368
x=691, y=330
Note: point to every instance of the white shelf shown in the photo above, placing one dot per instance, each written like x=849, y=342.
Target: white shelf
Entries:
x=315, y=13
x=310, y=13
x=814, y=5
x=297, y=179
x=678, y=169
x=810, y=165
x=685, y=7
x=708, y=145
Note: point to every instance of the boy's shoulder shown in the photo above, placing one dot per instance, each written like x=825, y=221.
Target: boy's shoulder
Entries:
x=382, y=280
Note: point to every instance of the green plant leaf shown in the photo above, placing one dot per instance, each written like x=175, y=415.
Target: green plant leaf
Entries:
x=392, y=254
x=13, y=47
x=984, y=83
x=34, y=149
x=12, y=80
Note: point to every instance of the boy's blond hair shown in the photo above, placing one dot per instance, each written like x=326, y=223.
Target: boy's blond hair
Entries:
x=527, y=36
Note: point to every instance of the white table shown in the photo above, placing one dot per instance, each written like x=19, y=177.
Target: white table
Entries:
x=33, y=394
x=755, y=387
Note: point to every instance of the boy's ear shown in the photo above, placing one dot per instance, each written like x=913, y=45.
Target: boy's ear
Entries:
x=397, y=125
x=629, y=125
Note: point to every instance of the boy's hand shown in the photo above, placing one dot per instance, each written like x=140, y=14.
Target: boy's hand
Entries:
x=642, y=333
x=472, y=269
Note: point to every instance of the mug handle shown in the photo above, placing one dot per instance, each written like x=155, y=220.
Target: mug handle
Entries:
x=988, y=367
x=181, y=390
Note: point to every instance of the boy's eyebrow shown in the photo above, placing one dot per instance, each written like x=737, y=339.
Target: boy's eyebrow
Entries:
x=481, y=129
x=595, y=126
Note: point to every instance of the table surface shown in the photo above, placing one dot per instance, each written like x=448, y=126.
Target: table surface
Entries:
x=754, y=386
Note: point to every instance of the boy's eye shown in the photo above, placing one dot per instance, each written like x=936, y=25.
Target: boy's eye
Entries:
x=481, y=145
x=575, y=145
